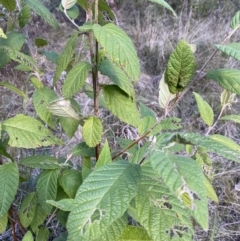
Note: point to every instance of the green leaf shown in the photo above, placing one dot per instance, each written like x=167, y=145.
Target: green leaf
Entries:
x=70, y=180
x=235, y=20
x=227, y=78
x=28, y=209
x=65, y=57
x=180, y=67
x=41, y=99
x=234, y=118
x=182, y=175
x=121, y=105
x=24, y=16
x=145, y=111
x=24, y=68
x=27, y=132
x=146, y=124
x=75, y=79
x=67, y=4
x=92, y=131
x=64, y=108
x=165, y=96
x=40, y=42
x=15, y=41
x=104, y=157
x=40, y=216
x=232, y=49
x=52, y=56
x=211, y=145
x=110, y=187
x=28, y=236
x=42, y=11
x=82, y=149
x=206, y=112
x=42, y=162
x=210, y=191
x=10, y=5
x=135, y=234
x=62, y=237
x=3, y=222
x=14, y=89
x=72, y=12
x=9, y=178
x=69, y=125
x=87, y=167
x=43, y=234
x=117, y=75
x=2, y=34
x=164, y=4
x=63, y=204
x=119, y=48
x=47, y=188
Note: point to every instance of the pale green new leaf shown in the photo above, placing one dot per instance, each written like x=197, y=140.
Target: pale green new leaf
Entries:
x=42, y=162
x=14, y=41
x=28, y=209
x=24, y=16
x=232, y=49
x=164, y=96
x=67, y=4
x=24, y=68
x=47, y=188
x=227, y=78
x=42, y=11
x=117, y=75
x=70, y=180
x=225, y=97
x=92, y=131
x=65, y=57
x=180, y=67
x=205, y=110
x=210, y=190
x=43, y=234
x=28, y=236
x=234, y=118
x=9, y=178
x=164, y=4
x=75, y=79
x=10, y=5
x=40, y=216
x=3, y=222
x=36, y=83
x=64, y=108
x=182, y=175
x=119, y=48
x=41, y=99
x=134, y=233
x=104, y=157
x=2, y=34
x=27, y=132
x=14, y=89
x=235, y=20
x=63, y=204
x=211, y=145
x=111, y=187
x=121, y=105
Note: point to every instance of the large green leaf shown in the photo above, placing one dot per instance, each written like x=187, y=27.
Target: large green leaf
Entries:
x=117, y=75
x=43, y=234
x=75, y=79
x=105, y=156
x=119, y=48
x=10, y=5
x=9, y=178
x=227, y=78
x=40, y=216
x=14, y=41
x=70, y=180
x=69, y=125
x=14, y=89
x=206, y=111
x=183, y=176
x=27, y=132
x=164, y=4
x=92, y=131
x=28, y=236
x=121, y=105
x=42, y=11
x=3, y=222
x=133, y=233
x=82, y=149
x=28, y=209
x=234, y=118
x=41, y=98
x=24, y=16
x=232, y=49
x=47, y=188
x=42, y=162
x=180, y=67
x=111, y=187
x=65, y=57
